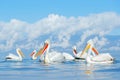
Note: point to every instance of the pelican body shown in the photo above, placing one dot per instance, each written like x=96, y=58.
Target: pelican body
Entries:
x=105, y=58
x=49, y=57
x=12, y=57
x=67, y=56
x=82, y=54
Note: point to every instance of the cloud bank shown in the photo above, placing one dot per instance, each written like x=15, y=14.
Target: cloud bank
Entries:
x=59, y=29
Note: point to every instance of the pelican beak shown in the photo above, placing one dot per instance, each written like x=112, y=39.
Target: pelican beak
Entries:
x=20, y=52
x=85, y=49
x=96, y=52
x=74, y=50
x=42, y=50
x=32, y=53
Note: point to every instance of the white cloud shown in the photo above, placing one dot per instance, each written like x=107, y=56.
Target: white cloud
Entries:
x=60, y=27
x=100, y=42
x=99, y=25
x=112, y=48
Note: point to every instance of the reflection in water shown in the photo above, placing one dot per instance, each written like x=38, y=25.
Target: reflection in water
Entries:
x=99, y=71
x=89, y=69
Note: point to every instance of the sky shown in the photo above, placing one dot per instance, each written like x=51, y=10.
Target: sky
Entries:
x=31, y=11
x=29, y=20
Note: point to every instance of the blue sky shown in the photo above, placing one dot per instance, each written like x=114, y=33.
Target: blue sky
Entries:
x=29, y=20
x=33, y=10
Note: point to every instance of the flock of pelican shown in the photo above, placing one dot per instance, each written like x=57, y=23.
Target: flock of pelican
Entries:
x=89, y=54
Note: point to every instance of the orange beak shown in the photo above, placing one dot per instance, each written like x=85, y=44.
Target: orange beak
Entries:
x=42, y=50
x=32, y=53
x=45, y=47
x=75, y=51
x=86, y=48
x=96, y=52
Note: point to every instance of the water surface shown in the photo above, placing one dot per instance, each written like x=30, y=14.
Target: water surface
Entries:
x=69, y=70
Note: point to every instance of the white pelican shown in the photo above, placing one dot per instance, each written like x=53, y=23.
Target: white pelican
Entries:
x=33, y=55
x=49, y=57
x=77, y=55
x=67, y=56
x=12, y=57
x=98, y=59
x=82, y=54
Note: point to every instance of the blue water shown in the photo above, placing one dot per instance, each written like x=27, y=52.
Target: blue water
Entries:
x=69, y=70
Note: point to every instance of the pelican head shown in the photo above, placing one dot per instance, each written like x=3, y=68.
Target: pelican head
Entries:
x=33, y=55
x=74, y=47
x=90, y=42
x=47, y=41
x=20, y=53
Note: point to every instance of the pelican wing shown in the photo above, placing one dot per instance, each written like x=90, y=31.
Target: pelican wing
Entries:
x=68, y=56
x=56, y=57
x=12, y=56
x=102, y=57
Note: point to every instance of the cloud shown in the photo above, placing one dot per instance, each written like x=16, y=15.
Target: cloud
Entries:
x=112, y=48
x=100, y=42
x=59, y=29
x=99, y=25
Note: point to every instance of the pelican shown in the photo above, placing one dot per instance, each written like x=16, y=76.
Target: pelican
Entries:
x=12, y=57
x=67, y=56
x=77, y=55
x=33, y=57
x=82, y=54
x=49, y=57
x=105, y=58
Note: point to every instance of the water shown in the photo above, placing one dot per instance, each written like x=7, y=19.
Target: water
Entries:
x=69, y=70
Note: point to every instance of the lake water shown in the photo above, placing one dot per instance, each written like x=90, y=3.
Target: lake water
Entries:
x=69, y=70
